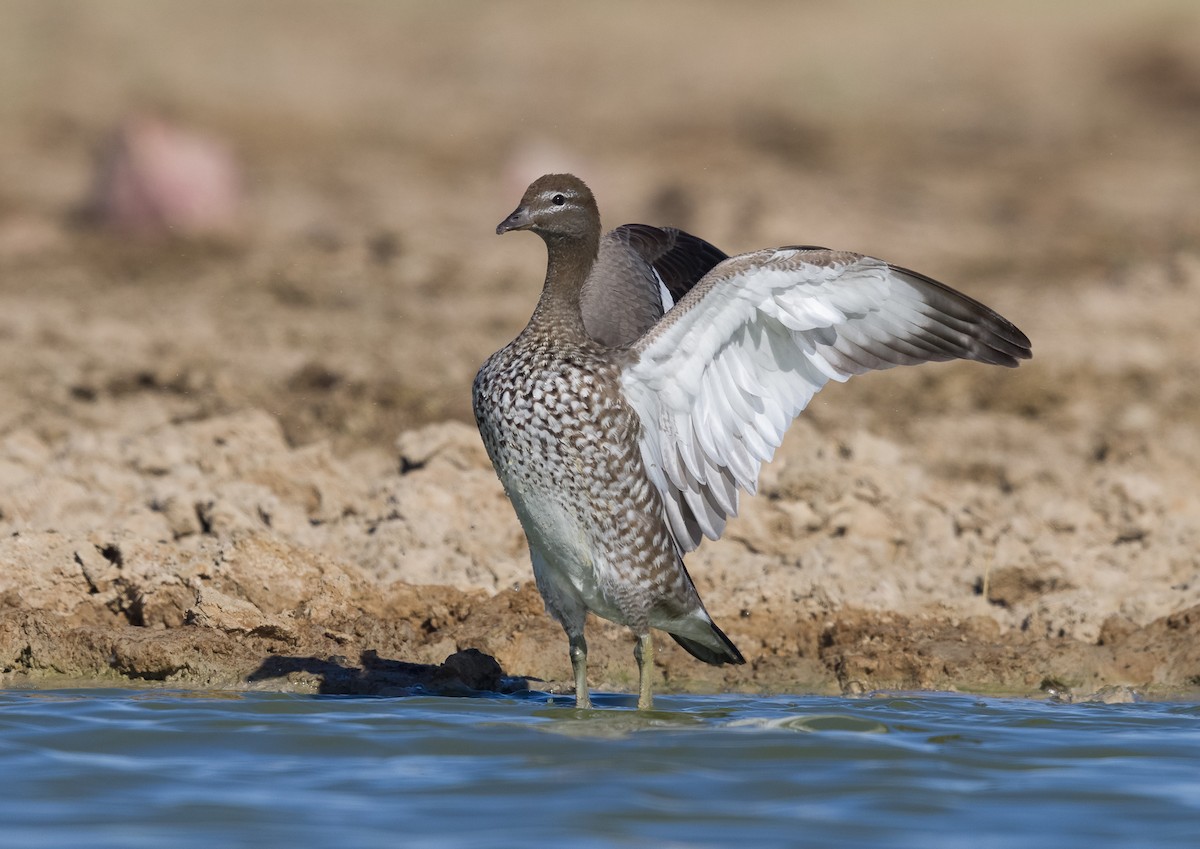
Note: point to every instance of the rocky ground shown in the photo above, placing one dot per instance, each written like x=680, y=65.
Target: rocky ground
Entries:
x=243, y=457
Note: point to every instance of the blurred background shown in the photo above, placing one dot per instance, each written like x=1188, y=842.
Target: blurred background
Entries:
x=207, y=206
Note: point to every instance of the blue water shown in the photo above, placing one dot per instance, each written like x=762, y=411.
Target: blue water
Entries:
x=160, y=769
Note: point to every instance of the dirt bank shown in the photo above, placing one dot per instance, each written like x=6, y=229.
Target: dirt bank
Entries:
x=245, y=459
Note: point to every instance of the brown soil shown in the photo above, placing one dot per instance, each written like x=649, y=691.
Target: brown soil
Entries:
x=246, y=460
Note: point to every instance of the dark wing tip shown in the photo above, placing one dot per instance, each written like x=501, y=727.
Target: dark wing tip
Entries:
x=988, y=336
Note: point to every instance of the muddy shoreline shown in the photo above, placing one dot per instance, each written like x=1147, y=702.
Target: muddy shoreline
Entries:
x=241, y=579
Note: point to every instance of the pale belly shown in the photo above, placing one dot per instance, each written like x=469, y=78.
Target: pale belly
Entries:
x=564, y=560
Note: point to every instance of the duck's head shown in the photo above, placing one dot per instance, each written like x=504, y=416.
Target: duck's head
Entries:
x=556, y=206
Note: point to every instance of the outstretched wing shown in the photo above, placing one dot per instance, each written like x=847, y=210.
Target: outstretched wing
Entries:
x=640, y=273
x=718, y=380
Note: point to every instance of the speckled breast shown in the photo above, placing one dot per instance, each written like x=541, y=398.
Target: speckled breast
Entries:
x=564, y=444
x=551, y=421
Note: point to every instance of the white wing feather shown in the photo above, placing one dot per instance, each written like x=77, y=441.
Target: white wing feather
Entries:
x=721, y=376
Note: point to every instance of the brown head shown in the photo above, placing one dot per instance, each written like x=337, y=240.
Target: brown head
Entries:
x=556, y=206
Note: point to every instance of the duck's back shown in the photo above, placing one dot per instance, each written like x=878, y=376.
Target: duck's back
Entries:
x=640, y=272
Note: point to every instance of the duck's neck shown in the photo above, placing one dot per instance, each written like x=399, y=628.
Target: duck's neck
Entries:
x=568, y=263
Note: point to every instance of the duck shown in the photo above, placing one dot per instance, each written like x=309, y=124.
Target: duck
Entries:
x=627, y=418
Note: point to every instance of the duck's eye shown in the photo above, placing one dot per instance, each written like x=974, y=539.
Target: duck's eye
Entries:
x=558, y=200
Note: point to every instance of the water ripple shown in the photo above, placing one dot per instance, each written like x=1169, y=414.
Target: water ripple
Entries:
x=133, y=769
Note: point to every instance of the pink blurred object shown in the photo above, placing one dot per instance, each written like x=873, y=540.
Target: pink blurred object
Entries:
x=154, y=178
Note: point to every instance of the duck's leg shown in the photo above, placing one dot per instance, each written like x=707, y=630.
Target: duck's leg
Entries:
x=565, y=605
x=644, y=652
x=578, y=651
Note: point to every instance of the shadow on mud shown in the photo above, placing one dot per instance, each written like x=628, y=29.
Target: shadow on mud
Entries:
x=465, y=673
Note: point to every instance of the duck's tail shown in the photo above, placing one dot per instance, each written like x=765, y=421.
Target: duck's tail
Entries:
x=716, y=649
